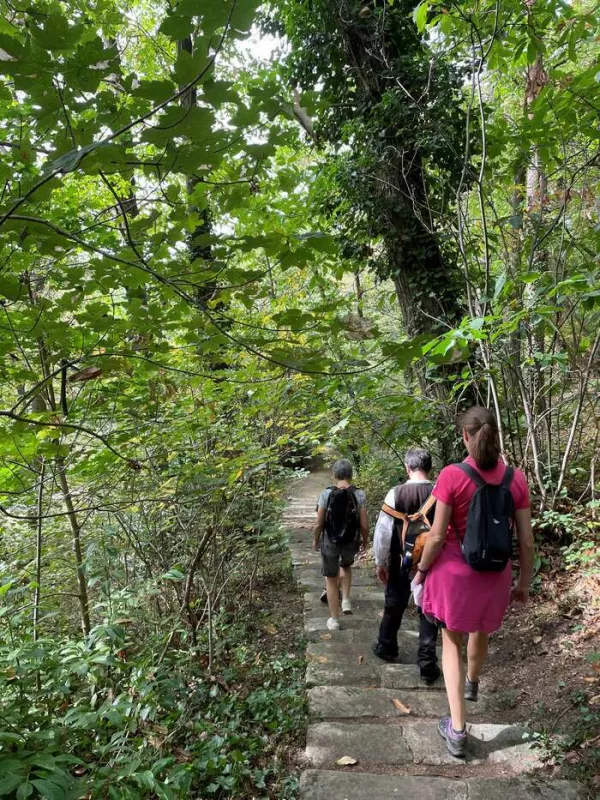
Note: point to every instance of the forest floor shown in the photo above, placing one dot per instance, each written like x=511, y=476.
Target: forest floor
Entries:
x=544, y=669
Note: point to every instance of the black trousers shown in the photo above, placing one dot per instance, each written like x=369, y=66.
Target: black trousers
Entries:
x=397, y=595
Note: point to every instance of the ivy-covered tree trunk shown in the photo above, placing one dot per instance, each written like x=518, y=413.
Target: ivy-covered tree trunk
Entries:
x=394, y=122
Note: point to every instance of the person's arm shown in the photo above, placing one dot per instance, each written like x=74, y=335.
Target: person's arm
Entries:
x=435, y=539
x=364, y=526
x=526, y=554
x=318, y=529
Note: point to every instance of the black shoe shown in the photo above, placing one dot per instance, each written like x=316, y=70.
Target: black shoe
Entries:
x=377, y=651
x=471, y=690
x=431, y=674
x=323, y=597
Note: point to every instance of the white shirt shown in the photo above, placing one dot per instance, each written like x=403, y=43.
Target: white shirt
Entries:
x=384, y=528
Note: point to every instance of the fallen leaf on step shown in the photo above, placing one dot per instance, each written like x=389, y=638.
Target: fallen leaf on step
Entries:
x=400, y=706
x=595, y=700
x=323, y=660
x=270, y=629
x=590, y=679
x=346, y=761
x=537, y=640
x=326, y=636
x=361, y=659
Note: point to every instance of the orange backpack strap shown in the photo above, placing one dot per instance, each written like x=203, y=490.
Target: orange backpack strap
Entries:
x=397, y=515
x=392, y=512
x=425, y=509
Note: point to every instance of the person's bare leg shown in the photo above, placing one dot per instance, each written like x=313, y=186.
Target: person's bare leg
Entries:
x=477, y=649
x=454, y=676
x=333, y=597
x=345, y=581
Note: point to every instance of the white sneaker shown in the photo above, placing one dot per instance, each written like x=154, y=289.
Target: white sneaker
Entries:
x=347, y=606
x=333, y=624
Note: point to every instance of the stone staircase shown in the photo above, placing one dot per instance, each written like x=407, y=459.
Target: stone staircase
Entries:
x=381, y=715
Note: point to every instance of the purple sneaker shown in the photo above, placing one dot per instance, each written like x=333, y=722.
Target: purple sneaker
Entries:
x=456, y=741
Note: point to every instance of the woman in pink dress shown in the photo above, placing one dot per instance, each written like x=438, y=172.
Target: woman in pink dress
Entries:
x=461, y=599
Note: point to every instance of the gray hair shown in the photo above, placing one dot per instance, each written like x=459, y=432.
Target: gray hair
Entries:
x=418, y=459
x=342, y=470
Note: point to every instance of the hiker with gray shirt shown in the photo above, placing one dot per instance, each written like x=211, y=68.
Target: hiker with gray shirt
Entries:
x=341, y=524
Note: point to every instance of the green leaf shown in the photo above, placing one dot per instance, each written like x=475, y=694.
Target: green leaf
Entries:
x=176, y=26
x=420, y=15
x=157, y=91
x=56, y=32
x=500, y=282
x=24, y=790
x=9, y=783
x=189, y=66
x=49, y=790
x=11, y=288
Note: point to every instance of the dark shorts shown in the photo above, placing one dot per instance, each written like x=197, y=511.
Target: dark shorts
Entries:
x=334, y=556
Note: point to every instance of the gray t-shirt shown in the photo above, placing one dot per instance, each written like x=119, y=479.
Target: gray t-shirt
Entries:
x=361, y=498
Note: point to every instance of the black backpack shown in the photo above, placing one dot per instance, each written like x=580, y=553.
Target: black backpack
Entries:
x=342, y=515
x=487, y=543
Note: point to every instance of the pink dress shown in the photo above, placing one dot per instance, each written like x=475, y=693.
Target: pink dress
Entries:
x=462, y=598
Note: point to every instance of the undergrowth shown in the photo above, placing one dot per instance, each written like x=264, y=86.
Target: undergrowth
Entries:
x=103, y=719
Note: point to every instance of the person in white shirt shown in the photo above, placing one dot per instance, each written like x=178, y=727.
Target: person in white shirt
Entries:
x=387, y=545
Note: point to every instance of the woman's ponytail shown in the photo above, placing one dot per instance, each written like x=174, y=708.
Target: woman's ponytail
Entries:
x=482, y=428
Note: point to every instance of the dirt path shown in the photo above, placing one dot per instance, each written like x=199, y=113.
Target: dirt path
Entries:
x=354, y=708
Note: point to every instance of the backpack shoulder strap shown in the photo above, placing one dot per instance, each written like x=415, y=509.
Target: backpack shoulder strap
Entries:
x=352, y=490
x=331, y=490
x=509, y=474
x=471, y=473
x=392, y=512
x=426, y=507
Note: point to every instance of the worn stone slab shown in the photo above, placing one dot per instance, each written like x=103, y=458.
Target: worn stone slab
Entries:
x=361, y=607
x=354, y=622
x=342, y=702
x=358, y=593
x=348, y=785
x=312, y=579
x=340, y=674
x=492, y=744
x=376, y=745
x=352, y=785
x=406, y=676
x=342, y=636
x=365, y=636
x=349, y=650
x=380, y=745
x=522, y=789
x=350, y=622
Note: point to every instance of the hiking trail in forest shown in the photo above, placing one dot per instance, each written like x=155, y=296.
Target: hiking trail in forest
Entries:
x=358, y=704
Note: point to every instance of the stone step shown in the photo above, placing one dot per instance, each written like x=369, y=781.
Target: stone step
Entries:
x=405, y=676
x=312, y=578
x=344, y=702
x=353, y=622
x=376, y=745
x=348, y=785
x=371, y=593
x=363, y=635
x=369, y=672
x=362, y=605
x=336, y=649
